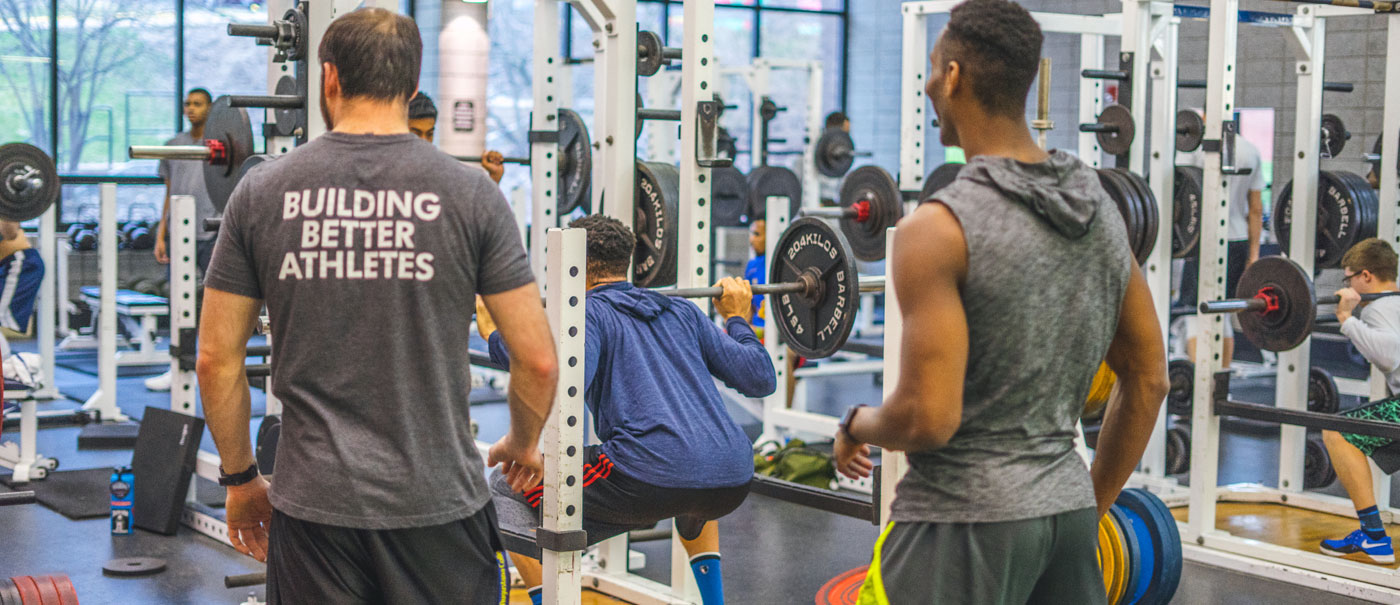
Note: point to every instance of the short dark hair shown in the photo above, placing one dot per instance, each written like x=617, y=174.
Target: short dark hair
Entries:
x=997, y=45
x=421, y=106
x=836, y=119
x=610, y=245
x=377, y=53
x=200, y=91
x=1372, y=255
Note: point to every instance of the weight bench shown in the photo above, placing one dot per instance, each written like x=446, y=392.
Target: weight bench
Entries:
x=139, y=314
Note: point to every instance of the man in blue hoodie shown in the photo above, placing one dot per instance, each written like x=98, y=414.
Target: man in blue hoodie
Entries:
x=668, y=447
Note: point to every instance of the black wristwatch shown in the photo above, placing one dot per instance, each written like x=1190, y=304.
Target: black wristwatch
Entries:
x=237, y=479
x=845, y=425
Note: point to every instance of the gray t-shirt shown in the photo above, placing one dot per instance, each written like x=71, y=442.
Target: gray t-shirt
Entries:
x=186, y=177
x=369, y=252
x=1047, y=266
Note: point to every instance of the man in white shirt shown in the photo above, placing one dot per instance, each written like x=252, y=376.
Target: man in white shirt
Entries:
x=1245, y=227
x=1368, y=268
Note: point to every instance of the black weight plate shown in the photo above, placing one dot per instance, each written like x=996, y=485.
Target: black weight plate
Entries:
x=1322, y=392
x=649, y=58
x=871, y=184
x=1139, y=217
x=1182, y=375
x=229, y=126
x=133, y=566
x=1317, y=466
x=941, y=177
x=766, y=181
x=1334, y=136
x=1286, y=327
x=730, y=190
x=815, y=327
x=1367, y=203
x=289, y=120
x=1147, y=203
x=1190, y=130
x=1340, y=221
x=656, y=212
x=725, y=145
x=1178, y=449
x=1117, y=141
x=1117, y=190
x=253, y=160
x=1187, y=190
x=269, y=432
x=1376, y=163
x=575, y=164
x=835, y=153
x=29, y=182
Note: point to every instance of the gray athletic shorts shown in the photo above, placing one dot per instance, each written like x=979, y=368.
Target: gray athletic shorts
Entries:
x=1043, y=560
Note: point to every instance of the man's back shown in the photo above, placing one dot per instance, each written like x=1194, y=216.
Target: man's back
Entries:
x=1047, y=266
x=369, y=252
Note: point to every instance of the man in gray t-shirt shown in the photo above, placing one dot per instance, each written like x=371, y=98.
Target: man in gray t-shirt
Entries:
x=186, y=177
x=991, y=388
x=369, y=247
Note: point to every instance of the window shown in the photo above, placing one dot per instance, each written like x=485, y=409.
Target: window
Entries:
x=24, y=74
x=225, y=65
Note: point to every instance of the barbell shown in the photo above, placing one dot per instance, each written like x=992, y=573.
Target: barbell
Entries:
x=1276, y=303
x=29, y=182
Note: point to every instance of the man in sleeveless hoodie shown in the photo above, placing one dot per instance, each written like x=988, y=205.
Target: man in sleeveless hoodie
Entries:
x=997, y=359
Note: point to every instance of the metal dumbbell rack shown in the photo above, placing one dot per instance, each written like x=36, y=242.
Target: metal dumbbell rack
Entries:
x=1204, y=541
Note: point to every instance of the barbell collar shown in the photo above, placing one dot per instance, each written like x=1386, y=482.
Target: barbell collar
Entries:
x=168, y=152
x=673, y=115
x=267, y=101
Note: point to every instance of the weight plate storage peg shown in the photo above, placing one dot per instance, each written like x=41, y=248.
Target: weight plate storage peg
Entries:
x=1117, y=129
x=29, y=182
x=835, y=153
x=817, y=322
x=229, y=136
x=657, y=210
x=1187, y=188
x=875, y=193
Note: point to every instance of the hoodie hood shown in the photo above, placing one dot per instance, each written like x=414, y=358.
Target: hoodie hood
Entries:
x=1062, y=191
x=640, y=303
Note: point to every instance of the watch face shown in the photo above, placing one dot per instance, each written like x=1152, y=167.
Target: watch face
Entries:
x=120, y=489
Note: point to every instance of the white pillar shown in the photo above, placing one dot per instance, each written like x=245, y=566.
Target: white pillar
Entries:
x=463, y=62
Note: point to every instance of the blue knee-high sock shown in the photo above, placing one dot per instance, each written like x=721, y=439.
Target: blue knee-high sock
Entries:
x=708, y=577
x=1371, y=522
x=536, y=595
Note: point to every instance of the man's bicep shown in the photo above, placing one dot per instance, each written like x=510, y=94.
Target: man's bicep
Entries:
x=930, y=260
x=1137, y=345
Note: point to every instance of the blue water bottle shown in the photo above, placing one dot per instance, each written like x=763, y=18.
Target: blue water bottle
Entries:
x=122, y=495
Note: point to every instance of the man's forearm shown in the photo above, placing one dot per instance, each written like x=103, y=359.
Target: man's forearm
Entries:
x=228, y=410
x=531, y=396
x=1126, y=429
x=890, y=426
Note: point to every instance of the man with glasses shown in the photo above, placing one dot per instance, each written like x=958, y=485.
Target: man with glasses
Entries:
x=1368, y=268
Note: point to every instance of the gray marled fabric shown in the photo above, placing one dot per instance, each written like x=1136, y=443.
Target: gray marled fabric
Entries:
x=1047, y=268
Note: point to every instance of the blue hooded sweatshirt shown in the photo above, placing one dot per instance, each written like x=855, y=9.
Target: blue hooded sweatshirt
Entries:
x=648, y=364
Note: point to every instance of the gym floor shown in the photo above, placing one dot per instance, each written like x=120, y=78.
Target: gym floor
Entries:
x=775, y=552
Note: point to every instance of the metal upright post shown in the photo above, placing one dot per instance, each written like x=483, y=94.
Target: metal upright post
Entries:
x=893, y=464
x=563, y=432
x=1091, y=56
x=544, y=151
x=614, y=24
x=104, y=401
x=911, y=106
x=776, y=223
x=815, y=123
x=183, y=312
x=1389, y=207
x=1215, y=212
x=1293, y=365
x=698, y=84
x=49, y=306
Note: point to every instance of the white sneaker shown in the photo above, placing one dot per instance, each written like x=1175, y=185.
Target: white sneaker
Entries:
x=158, y=383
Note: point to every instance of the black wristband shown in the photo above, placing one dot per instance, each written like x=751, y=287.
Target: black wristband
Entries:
x=237, y=479
x=845, y=426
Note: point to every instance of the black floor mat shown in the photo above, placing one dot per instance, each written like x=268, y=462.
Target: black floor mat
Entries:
x=79, y=494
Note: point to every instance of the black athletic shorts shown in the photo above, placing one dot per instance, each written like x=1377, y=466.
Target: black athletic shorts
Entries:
x=457, y=562
x=614, y=503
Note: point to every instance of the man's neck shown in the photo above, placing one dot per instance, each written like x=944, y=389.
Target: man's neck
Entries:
x=1388, y=286
x=591, y=283
x=1001, y=137
x=197, y=132
x=371, y=117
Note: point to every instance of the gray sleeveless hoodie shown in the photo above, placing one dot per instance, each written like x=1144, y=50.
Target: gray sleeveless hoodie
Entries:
x=1047, y=268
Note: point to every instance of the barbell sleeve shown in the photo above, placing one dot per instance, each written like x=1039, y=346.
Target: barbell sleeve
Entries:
x=477, y=159
x=247, y=579
x=1104, y=74
x=168, y=152
x=244, y=30
x=1096, y=127
x=673, y=115
x=12, y=498
x=267, y=101
x=212, y=224
x=1233, y=305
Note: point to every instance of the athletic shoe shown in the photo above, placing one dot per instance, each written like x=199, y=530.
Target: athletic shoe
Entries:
x=158, y=383
x=1380, y=551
